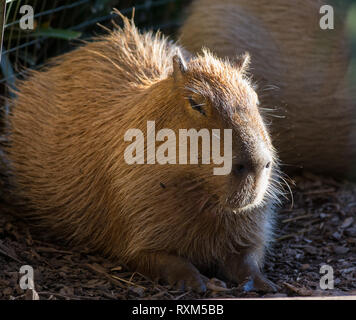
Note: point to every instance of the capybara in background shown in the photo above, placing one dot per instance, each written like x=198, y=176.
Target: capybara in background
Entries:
x=167, y=221
x=301, y=71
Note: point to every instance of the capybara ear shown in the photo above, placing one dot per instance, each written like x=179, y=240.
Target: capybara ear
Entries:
x=243, y=62
x=179, y=67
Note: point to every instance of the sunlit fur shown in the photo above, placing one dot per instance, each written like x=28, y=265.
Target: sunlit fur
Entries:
x=67, y=152
x=303, y=72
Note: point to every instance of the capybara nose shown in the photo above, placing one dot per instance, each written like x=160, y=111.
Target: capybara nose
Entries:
x=254, y=168
x=240, y=169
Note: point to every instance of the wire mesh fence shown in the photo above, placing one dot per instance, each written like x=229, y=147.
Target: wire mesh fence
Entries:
x=59, y=23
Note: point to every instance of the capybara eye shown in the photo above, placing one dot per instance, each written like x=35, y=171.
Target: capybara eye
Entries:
x=196, y=106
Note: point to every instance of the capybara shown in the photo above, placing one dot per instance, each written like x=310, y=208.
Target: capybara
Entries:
x=301, y=71
x=67, y=156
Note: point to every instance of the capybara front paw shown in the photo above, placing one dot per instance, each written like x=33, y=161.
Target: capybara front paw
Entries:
x=188, y=282
x=264, y=285
x=245, y=267
x=174, y=270
x=187, y=278
x=261, y=284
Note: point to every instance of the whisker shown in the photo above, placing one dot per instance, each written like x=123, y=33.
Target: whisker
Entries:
x=290, y=191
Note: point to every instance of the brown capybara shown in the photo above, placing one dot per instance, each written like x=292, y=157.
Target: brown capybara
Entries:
x=301, y=71
x=67, y=153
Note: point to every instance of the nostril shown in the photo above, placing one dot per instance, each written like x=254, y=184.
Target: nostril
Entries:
x=268, y=165
x=239, y=169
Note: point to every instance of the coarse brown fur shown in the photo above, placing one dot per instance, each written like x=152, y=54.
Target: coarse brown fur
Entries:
x=302, y=73
x=67, y=158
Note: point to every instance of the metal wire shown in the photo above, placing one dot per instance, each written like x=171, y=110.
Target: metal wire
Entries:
x=51, y=11
x=17, y=42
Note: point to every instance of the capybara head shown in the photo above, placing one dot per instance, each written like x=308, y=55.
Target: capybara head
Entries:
x=217, y=94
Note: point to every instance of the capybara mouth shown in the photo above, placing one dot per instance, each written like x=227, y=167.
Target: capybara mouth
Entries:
x=244, y=201
x=248, y=207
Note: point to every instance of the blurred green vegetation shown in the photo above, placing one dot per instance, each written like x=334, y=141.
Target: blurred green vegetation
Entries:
x=57, y=21
x=60, y=23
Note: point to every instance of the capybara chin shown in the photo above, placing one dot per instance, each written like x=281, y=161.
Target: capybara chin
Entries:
x=301, y=71
x=67, y=150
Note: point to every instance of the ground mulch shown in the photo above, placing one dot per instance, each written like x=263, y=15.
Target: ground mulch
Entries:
x=319, y=229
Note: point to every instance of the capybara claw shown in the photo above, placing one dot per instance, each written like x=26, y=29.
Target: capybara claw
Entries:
x=260, y=284
x=188, y=282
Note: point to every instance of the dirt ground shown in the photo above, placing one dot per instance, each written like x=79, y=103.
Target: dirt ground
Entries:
x=319, y=229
